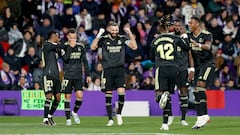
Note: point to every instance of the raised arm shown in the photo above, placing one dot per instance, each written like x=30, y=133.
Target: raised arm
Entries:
x=132, y=44
x=94, y=44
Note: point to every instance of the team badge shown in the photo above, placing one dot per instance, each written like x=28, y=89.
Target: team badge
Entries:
x=119, y=42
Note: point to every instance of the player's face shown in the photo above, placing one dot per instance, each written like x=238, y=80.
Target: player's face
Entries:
x=72, y=37
x=193, y=25
x=177, y=26
x=114, y=30
x=55, y=37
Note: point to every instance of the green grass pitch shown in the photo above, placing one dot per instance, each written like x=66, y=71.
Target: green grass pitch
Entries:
x=131, y=126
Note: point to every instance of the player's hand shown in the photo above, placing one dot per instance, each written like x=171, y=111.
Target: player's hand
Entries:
x=194, y=43
x=127, y=30
x=191, y=76
x=88, y=79
x=101, y=31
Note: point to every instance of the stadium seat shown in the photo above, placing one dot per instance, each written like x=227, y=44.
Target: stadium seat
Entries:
x=10, y=107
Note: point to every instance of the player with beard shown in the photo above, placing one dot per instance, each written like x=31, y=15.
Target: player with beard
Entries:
x=185, y=61
x=113, y=77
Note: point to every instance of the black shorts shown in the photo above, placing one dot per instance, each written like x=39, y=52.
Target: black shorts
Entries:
x=205, y=74
x=113, y=78
x=69, y=84
x=182, y=79
x=51, y=85
x=165, y=78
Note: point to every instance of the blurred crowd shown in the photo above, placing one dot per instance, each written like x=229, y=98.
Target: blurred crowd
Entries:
x=24, y=25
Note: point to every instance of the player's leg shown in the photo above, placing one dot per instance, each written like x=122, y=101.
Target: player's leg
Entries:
x=48, y=84
x=120, y=83
x=56, y=101
x=67, y=100
x=205, y=76
x=121, y=100
x=182, y=85
x=107, y=86
x=78, y=102
x=108, y=101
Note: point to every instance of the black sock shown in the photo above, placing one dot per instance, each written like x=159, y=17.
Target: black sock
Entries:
x=46, y=107
x=109, y=105
x=67, y=108
x=166, y=112
x=184, y=106
x=197, y=102
x=54, y=107
x=121, y=99
x=170, y=106
x=203, y=102
x=77, y=105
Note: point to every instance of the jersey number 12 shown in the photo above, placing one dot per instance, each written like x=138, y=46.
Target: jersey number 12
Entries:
x=166, y=51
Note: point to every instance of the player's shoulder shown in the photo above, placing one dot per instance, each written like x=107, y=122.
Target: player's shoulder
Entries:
x=80, y=44
x=206, y=32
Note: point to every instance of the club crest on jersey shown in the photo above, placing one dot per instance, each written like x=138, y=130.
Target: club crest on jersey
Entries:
x=79, y=49
x=119, y=42
x=200, y=40
x=108, y=43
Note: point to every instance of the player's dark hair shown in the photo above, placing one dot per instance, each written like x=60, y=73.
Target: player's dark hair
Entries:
x=71, y=30
x=165, y=21
x=196, y=19
x=112, y=24
x=51, y=33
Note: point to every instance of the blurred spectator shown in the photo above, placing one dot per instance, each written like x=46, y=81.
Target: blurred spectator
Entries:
x=76, y=6
x=132, y=70
x=14, y=34
x=38, y=74
x=38, y=45
x=37, y=86
x=217, y=34
x=82, y=36
x=3, y=31
x=28, y=39
x=225, y=75
x=230, y=29
x=222, y=18
x=84, y=19
x=150, y=7
x=7, y=79
x=132, y=82
x=197, y=8
x=91, y=6
x=13, y=61
x=59, y=7
x=31, y=59
x=28, y=76
x=217, y=85
x=99, y=21
x=97, y=71
x=54, y=18
x=115, y=15
x=45, y=27
x=229, y=52
x=147, y=84
x=22, y=84
x=229, y=5
x=8, y=18
x=214, y=6
x=236, y=20
x=95, y=85
x=68, y=20
x=230, y=85
x=106, y=8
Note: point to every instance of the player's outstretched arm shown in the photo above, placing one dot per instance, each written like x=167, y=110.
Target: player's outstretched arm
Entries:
x=132, y=43
x=94, y=44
